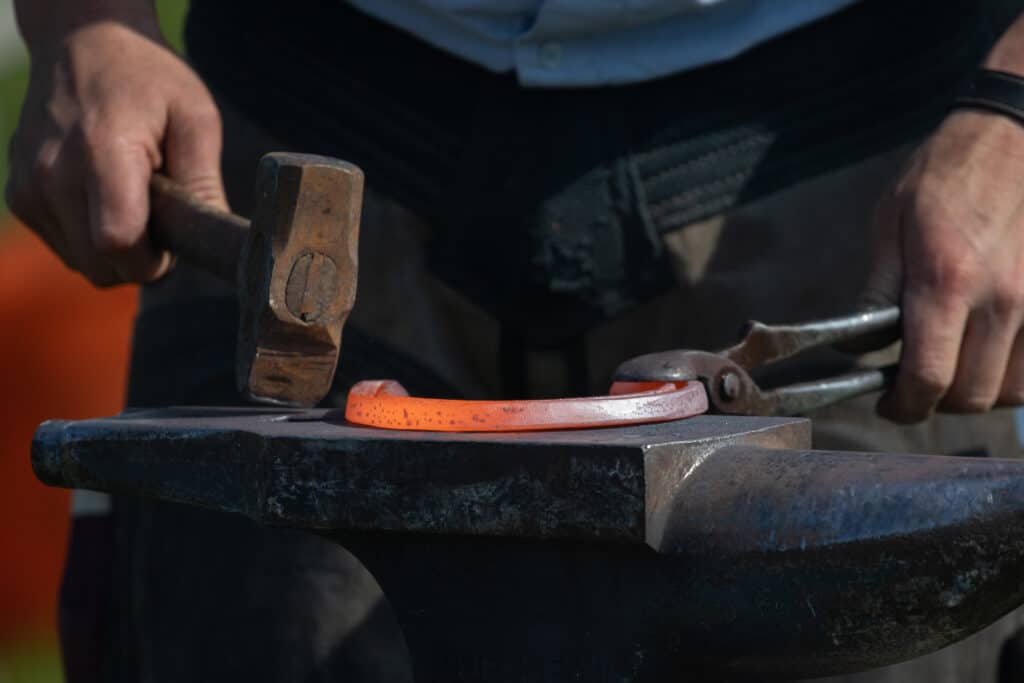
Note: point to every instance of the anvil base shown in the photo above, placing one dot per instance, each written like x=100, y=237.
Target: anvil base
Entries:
x=714, y=547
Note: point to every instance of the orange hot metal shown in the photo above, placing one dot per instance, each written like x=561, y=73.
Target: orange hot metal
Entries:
x=386, y=404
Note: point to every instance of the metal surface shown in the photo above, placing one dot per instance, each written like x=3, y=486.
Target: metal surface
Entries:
x=311, y=469
x=712, y=547
x=726, y=374
x=295, y=268
x=297, y=277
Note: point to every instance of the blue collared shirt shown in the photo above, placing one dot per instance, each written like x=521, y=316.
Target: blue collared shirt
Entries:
x=576, y=43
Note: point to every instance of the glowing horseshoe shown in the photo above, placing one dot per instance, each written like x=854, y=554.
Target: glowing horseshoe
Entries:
x=387, y=405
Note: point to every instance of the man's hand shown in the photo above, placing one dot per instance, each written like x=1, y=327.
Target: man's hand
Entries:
x=949, y=244
x=107, y=104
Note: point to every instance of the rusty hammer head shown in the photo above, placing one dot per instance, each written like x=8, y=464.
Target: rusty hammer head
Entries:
x=297, y=277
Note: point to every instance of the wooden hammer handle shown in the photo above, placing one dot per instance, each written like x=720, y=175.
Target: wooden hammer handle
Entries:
x=193, y=231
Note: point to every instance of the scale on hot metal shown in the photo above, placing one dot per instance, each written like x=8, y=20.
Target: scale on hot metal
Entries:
x=625, y=537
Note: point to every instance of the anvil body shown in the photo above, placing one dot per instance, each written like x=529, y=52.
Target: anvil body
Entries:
x=709, y=548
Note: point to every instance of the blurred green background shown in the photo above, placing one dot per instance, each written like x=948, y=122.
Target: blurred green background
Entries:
x=28, y=652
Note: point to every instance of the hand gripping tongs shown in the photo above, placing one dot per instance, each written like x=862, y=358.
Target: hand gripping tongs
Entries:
x=726, y=374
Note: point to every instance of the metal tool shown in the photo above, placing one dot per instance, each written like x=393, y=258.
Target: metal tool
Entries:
x=294, y=266
x=726, y=374
x=710, y=548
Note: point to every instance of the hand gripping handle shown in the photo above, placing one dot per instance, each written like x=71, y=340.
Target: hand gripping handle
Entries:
x=193, y=231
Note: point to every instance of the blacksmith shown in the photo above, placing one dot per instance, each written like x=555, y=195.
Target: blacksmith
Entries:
x=554, y=186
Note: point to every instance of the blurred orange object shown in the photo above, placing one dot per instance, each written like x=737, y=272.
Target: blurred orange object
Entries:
x=63, y=354
x=386, y=404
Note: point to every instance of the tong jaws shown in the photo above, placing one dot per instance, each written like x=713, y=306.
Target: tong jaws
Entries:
x=726, y=374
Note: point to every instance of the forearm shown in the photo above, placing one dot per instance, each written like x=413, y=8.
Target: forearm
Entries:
x=1008, y=52
x=43, y=23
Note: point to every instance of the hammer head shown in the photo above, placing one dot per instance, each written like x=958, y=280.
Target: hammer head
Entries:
x=297, y=277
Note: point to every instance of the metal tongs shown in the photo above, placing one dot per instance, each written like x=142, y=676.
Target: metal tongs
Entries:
x=726, y=374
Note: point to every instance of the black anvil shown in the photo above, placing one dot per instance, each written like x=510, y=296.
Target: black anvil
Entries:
x=709, y=548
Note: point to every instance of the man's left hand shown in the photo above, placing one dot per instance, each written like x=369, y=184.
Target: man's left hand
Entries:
x=949, y=246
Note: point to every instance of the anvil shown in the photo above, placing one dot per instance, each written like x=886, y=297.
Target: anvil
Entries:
x=711, y=548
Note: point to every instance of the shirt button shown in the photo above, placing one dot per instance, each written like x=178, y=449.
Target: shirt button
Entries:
x=550, y=55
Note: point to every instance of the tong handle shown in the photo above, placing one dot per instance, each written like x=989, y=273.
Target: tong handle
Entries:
x=764, y=344
x=797, y=399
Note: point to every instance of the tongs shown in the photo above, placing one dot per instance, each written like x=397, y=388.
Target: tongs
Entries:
x=726, y=374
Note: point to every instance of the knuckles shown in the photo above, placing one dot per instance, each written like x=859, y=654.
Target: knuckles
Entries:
x=955, y=275
x=940, y=257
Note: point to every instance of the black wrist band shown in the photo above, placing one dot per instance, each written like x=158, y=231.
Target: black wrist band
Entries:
x=996, y=91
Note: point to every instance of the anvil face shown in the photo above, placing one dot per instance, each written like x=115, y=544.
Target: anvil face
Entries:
x=710, y=545
x=311, y=470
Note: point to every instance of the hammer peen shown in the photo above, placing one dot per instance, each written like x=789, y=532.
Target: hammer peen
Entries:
x=294, y=266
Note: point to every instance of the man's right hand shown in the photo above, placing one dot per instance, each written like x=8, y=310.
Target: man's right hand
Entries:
x=107, y=104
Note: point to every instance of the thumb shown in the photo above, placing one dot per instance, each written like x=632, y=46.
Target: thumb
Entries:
x=885, y=288
x=192, y=147
x=885, y=274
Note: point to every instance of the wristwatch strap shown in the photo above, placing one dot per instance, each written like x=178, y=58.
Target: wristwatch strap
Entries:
x=996, y=91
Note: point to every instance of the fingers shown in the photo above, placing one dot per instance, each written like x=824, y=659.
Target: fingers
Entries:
x=949, y=239
x=86, y=196
x=43, y=194
x=983, y=361
x=117, y=189
x=68, y=231
x=932, y=331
